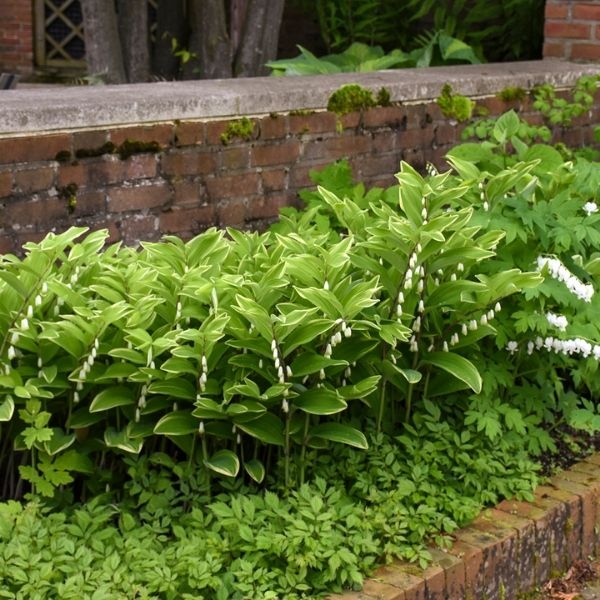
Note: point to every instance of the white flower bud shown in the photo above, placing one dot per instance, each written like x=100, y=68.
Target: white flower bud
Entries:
x=419, y=248
x=416, y=326
x=260, y=363
x=14, y=338
x=460, y=267
x=175, y=407
x=137, y=415
x=277, y=363
x=486, y=206
x=38, y=300
x=25, y=324
x=238, y=439
x=322, y=374
x=285, y=406
x=348, y=332
x=420, y=286
x=326, y=285
x=473, y=325
x=152, y=365
x=201, y=428
x=399, y=310
x=424, y=213
x=273, y=345
x=79, y=386
x=327, y=352
x=204, y=363
x=82, y=374
x=408, y=284
x=75, y=397
x=11, y=352
x=445, y=347
x=400, y=298
x=464, y=329
x=491, y=314
x=44, y=288
x=288, y=371
x=409, y=274
x=436, y=282
x=497, y=308
x=483, y=320
x=94, y=353
x=453, y=277
x=96, y=343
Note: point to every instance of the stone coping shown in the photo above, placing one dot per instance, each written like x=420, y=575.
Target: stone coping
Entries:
x=25, y=111
x=507, y=550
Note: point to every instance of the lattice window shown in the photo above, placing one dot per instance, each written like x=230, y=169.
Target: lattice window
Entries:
x=59, y=33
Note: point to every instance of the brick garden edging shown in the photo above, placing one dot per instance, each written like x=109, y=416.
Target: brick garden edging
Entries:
x=506, y=550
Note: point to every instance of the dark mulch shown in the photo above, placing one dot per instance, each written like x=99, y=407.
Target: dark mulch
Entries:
x=570, y=585
x=572, y=446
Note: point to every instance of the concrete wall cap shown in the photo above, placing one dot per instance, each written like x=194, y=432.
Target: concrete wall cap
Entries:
x=42, y=110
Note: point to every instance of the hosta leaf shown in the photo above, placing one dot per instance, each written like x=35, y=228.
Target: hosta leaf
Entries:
x=7, y=408
x=338, y=432
x=120, y=440
x=177, y=423
x=320, y=401
x=458, y=366
x=255, y=469
x=113, y=397
x=268, y=428
x=178, y=388
x=224, y=462
x=60, y=441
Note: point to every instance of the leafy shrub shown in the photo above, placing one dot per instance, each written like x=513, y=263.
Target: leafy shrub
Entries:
x=435, y=49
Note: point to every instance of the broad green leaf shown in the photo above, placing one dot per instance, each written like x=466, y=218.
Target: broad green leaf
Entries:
x=268, y=428
x=177, y=388
x=224, y=462
x=361, y=389
x=120, y=440
x=177, y=423
x=255, y=469
x=338, y=432
x=7, y=408
x=113, y=397
x=320, y=401
x=60, y=441
x=456, y=365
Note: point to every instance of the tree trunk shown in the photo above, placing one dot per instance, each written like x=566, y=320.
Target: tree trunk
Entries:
x=209, y=42
x=102, y=44
x=260, y=36
x=170, y=24
x=135, y=39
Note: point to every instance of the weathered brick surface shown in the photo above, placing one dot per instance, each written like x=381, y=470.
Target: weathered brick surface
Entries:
x=245, y=181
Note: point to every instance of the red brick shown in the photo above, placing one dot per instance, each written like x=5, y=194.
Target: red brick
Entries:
x=588, y=501
x=140, y=166
x=274, y=180
x=243, y=185
x=188, y=162
x=139, y=228
x=5, y=183
x=318, y=122
x=586, y=12
x=7, y=245
x=348, y=121
x=472, y=557
x=344, y=146
x=386, y=116
x=232, y=213
x=381, y=591
x=187, y=192
x=435, y=574
x=278, y=154
x=398, y=576
x=138, y=197
x=190, y=133
x=453, y=577
x=35, y=148
x=161, y=133
x=375, y=166
x=445, y=134
x=585, y=51
x=384, y=142
x=44, y=211
x=231, y=159
x=93, y=172
x=90, y=203
x=273, y=127
x=558, y=29
x=34, y=180
x=268, y=207
x=556, y=11
x=89, y=140
x=189, y=220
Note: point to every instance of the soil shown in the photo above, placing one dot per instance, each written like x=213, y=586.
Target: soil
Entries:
x=579, y=582
x=572, y=446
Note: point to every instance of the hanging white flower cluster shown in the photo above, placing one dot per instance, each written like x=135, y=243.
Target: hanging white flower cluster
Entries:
x=558, y=321
x=431, y=169
x=204, y=374
x=86, y=367
x=559, y=272
x=282, y=372
x=473, y=324
x=590, y=208
x=485, y=203
x=512, y=346
x=569, y=347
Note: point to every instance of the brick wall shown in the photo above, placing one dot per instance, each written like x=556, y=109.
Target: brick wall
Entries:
x=16, y=36
x=190, y=180
x=572, y=30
